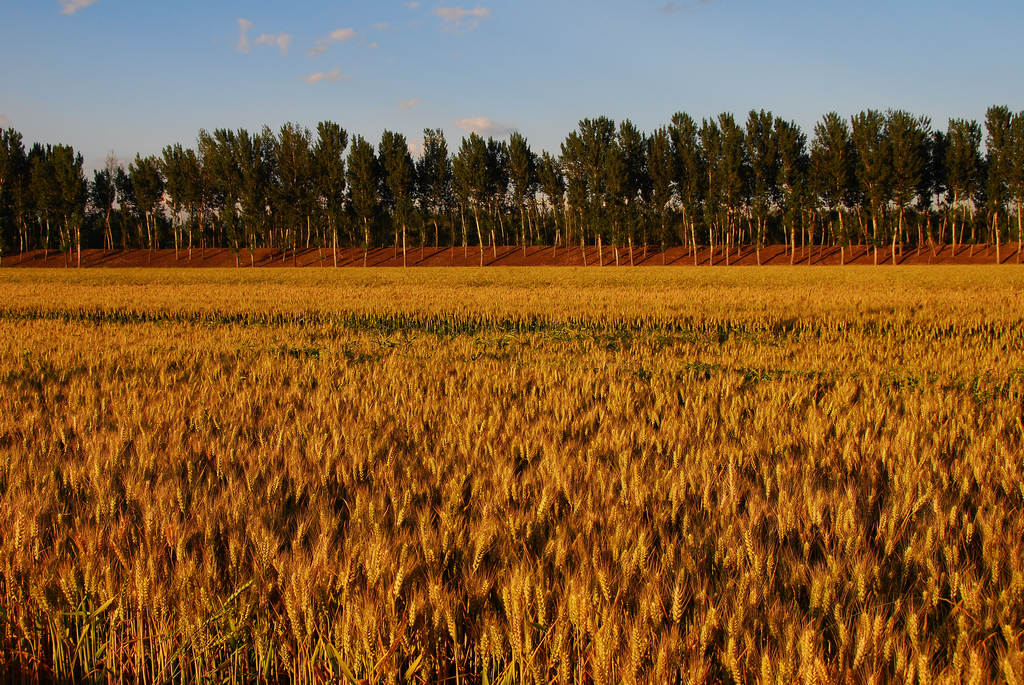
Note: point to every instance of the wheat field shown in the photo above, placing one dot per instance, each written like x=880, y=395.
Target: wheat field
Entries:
x=512, y=476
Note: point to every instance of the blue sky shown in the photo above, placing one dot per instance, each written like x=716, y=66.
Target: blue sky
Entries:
x=134, y=75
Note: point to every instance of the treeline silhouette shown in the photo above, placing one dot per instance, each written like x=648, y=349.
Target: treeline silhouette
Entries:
x=882, y=179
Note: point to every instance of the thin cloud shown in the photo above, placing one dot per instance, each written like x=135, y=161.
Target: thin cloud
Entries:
x=4, y=121
x=382, y=26
x=72, y=6
x=335, y=36
x=281, y=40
x=415, y=147
x=485, y=126
x=332, y=76
x=412, y=5
x=373, y=45
x=461, y=19
x=409, y=104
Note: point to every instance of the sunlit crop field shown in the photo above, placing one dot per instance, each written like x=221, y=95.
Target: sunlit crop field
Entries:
x=517, y=476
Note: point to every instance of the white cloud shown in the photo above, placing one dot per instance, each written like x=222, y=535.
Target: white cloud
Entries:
x=485, y=126
x=281, y=40
x=342, y=34
x=409, y=104
x=4, y=121
x=458, y=18
x=415, y=147
x=332, y=76
x=335, y=36
x=72, y=6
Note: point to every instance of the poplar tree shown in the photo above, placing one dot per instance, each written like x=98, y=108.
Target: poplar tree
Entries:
x=791, y=178
x=635, y=185
x=963, y=171
x=908, y=140
x=588, y=152
x=396, y=165
x=832, y=167
x=763, y=152
x=552, y=184
x=690, y=168
x=661, y=167
x=148, y=191
x=470, y=171
x=873, y=166
x=363, y=178
x=434, y=177
x=293, y=158
x=14, y=179
x=522, y=165
x=329, y=176
x=1016, y=174
x=998, y=164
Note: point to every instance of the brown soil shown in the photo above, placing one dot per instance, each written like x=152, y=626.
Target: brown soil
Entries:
x=773, y=255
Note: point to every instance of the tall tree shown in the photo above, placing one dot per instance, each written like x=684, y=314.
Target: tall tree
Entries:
x=661, y=167
x=396, y=164
x=497, y=187
x=552, y=184
x=363, y=178
x=934, y=189
x=470, y=171
x=727, y=169
x=14, y=180
x=1015, y=165
x=635, y=185
x=295, y=182
x=587, y=154
x=998, y=164
x=690, y=167
x=833, y=159
x=434, y=175
x=45, y=191
x=103, y=194
x=523, y=177
x=329, y=176
x=908, y=142
x=254, y=162
x=173, y=164
x=791, y=178
x=963, y=171
x=73, y=194
x=148, y=190
x=874, y=165
x=763, y=151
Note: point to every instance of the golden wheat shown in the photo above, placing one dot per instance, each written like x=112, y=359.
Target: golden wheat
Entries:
x=512, y=476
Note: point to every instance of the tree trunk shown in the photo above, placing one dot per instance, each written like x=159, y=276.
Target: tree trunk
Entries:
x=600, y=250
x=479, y=235
x=405, y=261
x=522, y=226
x=1020, y=237
x=693, y=240
x=897, y=232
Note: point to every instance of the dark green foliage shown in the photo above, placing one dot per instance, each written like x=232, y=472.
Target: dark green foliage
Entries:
x=876, y=178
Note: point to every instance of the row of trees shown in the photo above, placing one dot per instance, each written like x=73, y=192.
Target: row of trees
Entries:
x=878, y=178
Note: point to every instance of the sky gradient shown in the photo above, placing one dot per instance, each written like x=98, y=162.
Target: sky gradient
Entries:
x=134, y=75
